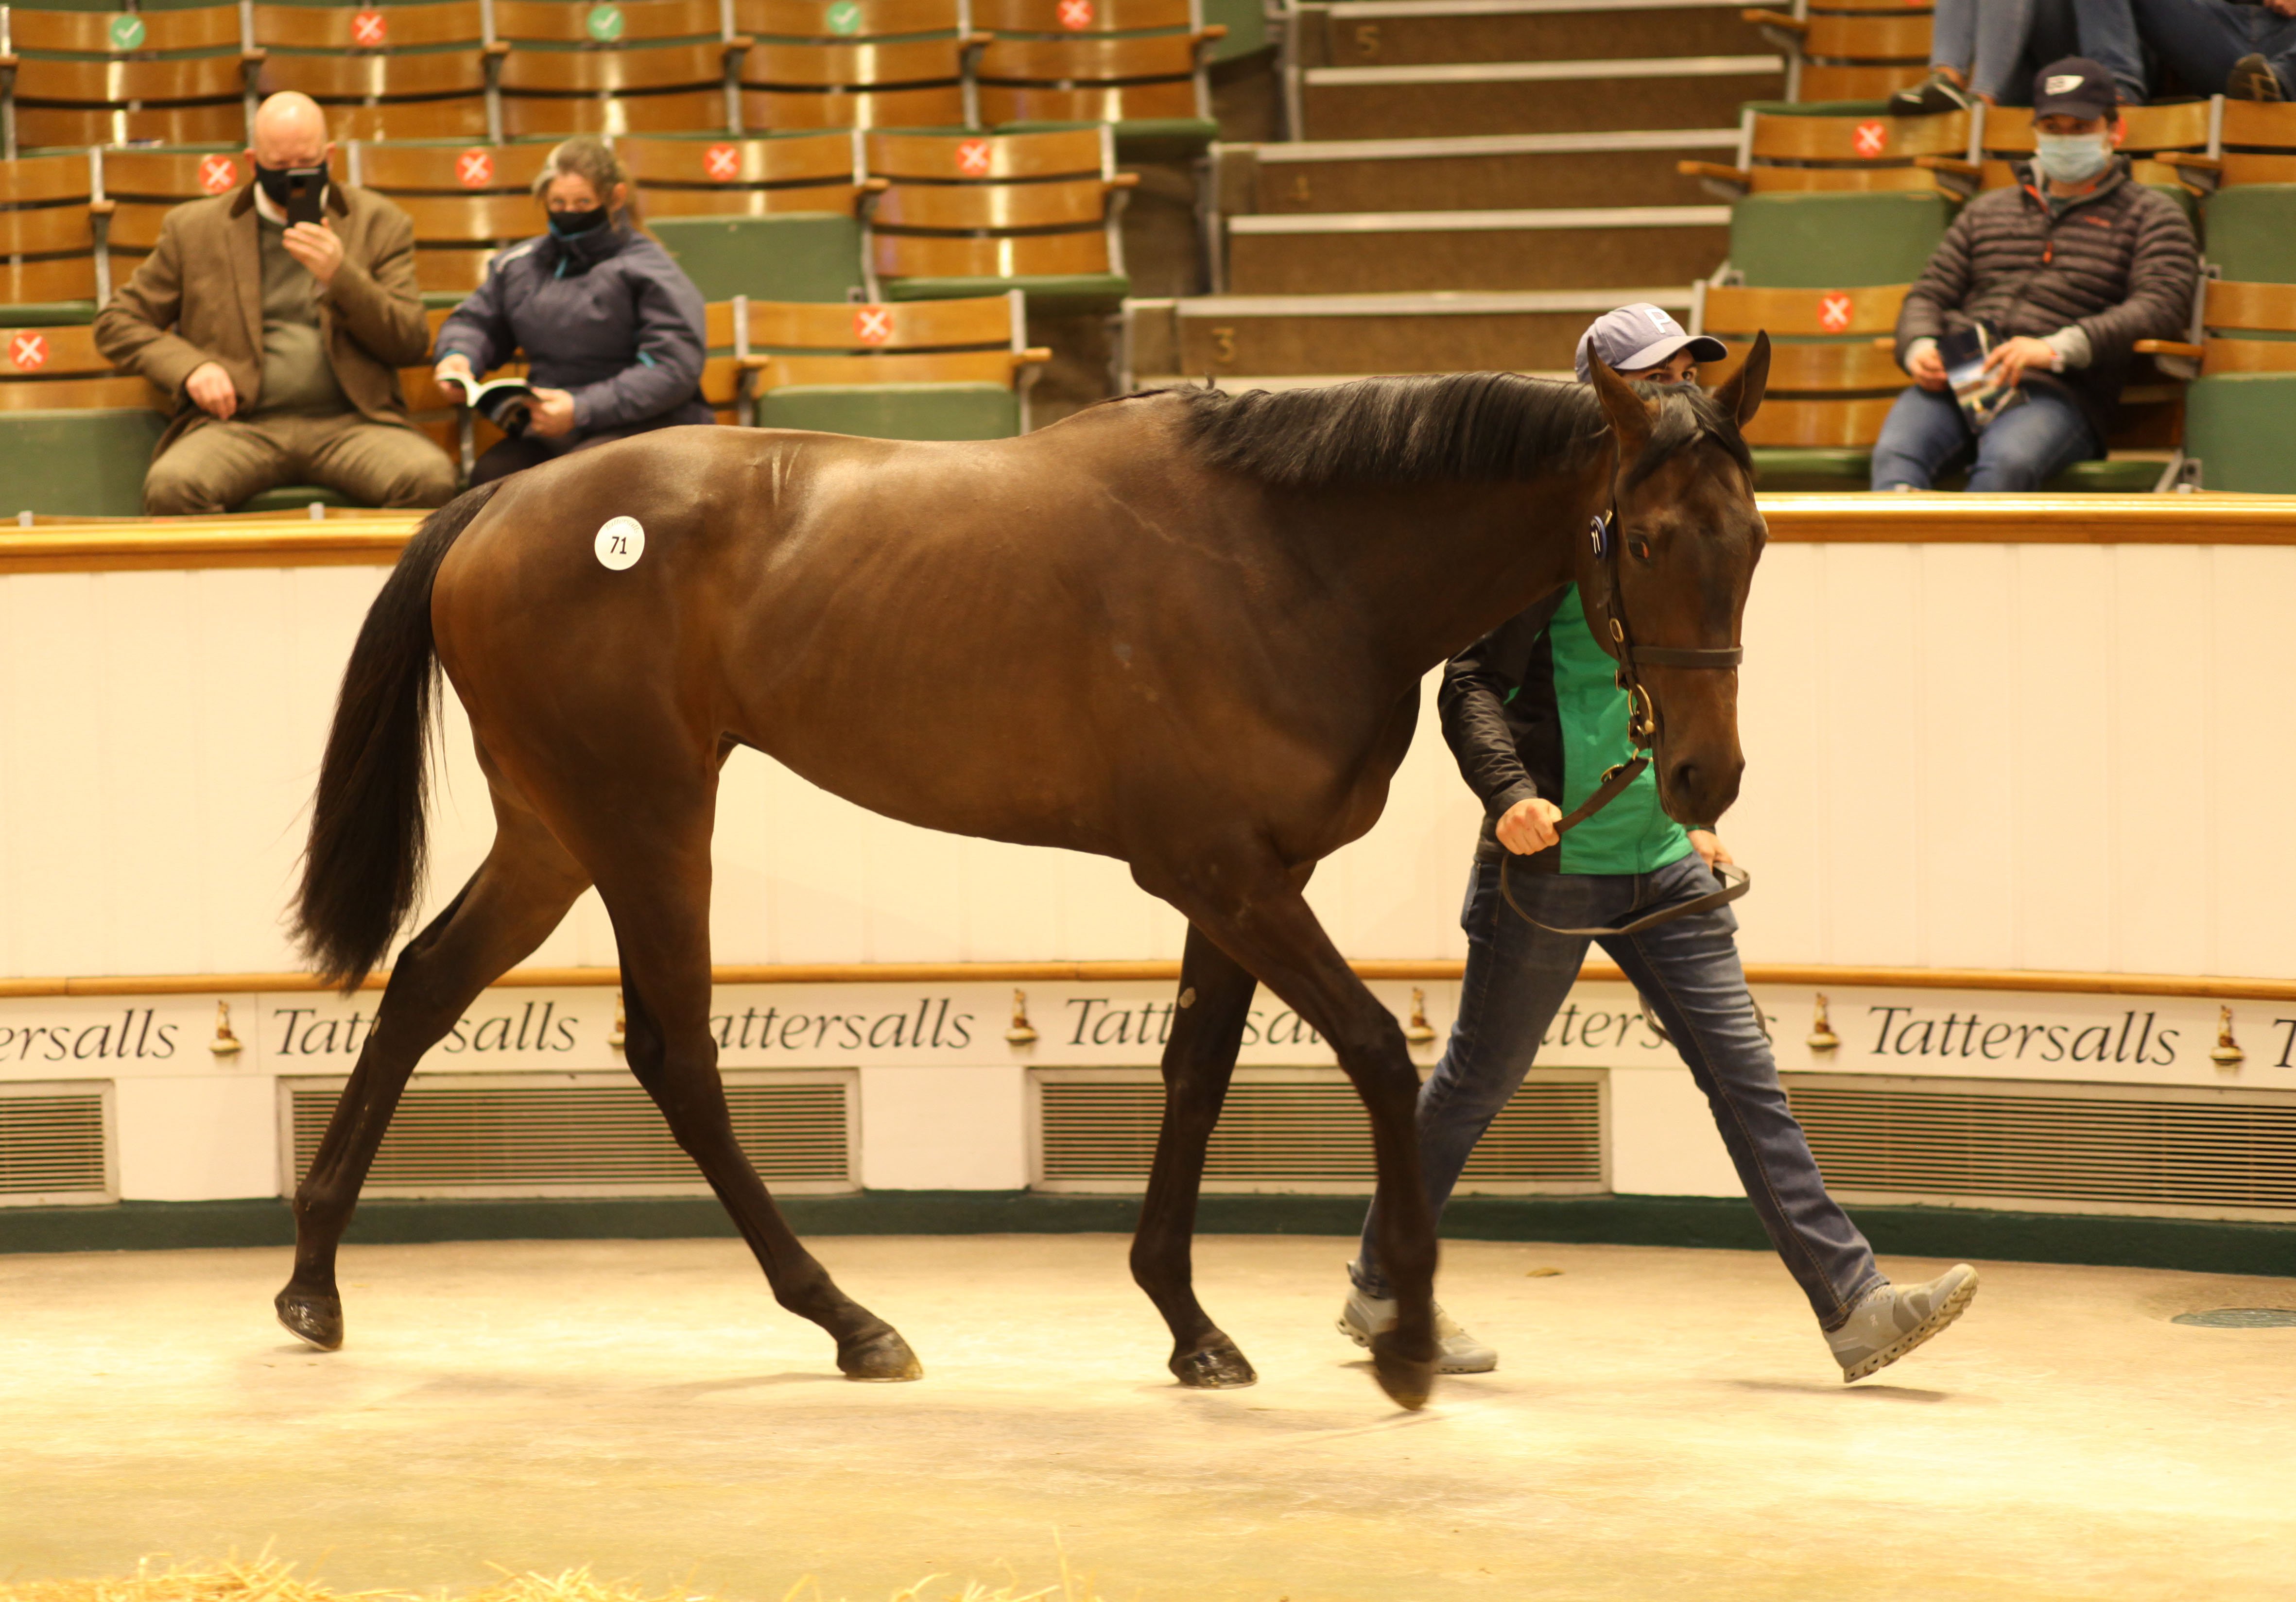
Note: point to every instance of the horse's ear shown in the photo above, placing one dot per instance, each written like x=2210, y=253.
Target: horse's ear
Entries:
x=1631, y=416
x=1742, y=397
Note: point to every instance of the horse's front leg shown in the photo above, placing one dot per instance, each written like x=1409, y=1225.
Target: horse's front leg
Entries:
x=1207, y=1027
x=1253, y=908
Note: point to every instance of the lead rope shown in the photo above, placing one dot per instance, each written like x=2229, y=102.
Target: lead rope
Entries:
x=1642, y=734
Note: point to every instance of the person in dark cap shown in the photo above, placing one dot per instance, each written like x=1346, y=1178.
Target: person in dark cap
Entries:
x=1535, y=714
x=2244, y=48
x=2065, y=272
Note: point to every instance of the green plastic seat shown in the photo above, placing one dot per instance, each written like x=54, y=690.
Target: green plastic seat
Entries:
x=2107, y=476
x=1142, y=138
x=1827, y=241
x=47, y=314
x=1075, y=291
x=796, y=256
x=1784, y=469
x=77, y=464
x=913, y=411
x=294, y=498
x=2251, y=233
x=2238, y=427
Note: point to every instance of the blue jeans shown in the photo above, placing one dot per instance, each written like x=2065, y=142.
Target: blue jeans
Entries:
x=2202, y=38
x=1999, y=44
x=1688, y=972
x=2026, y=445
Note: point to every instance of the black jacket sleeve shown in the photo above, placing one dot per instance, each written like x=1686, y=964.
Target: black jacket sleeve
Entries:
x=1472, y=705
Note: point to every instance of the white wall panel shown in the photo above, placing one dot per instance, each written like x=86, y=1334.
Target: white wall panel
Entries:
x=2038, y=756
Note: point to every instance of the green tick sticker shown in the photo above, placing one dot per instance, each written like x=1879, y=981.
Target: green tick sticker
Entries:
x=126, y=30
x=604, y=23
x=845, y=17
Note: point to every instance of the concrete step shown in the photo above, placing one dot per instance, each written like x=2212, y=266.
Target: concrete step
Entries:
x=1367, y=253
x=1535, y=97
x=1402, y=33
x=1282, y=341
x=1512, y=171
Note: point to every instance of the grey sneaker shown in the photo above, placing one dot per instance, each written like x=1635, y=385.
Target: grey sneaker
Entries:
x=1455, y=1350
x=1890, y=1320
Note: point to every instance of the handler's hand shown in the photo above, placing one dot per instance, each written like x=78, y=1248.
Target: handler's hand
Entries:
x=2008, y=360
x=554, y=413
x=1710, y=850
x=453, y=365
x=315, y=246
x=1528, y=825
x=1926, y=368
x=211, y=390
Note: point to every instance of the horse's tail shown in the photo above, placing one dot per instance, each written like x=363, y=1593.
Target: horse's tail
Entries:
x=364, y=865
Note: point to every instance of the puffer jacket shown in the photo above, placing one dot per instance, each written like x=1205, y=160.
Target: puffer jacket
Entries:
x=2120, y=261
x=606, y=315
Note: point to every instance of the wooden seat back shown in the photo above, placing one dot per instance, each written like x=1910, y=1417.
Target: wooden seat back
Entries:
x=60, y=369
x=746, y=177
x=850, y=20
x=991, y=158
x=1824, y=342
x=396, y=169
x=2230, y=310
x=425, y=26
x=110, y=77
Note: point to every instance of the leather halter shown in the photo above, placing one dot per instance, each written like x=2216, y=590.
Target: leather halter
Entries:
x=1642, y=732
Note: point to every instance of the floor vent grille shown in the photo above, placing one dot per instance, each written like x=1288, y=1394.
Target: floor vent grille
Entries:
x=54, y=1145
x=1303, y=1130
x=583, y=1135
x=2060, y=1147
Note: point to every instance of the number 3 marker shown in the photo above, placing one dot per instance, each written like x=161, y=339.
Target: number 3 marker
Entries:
x=620, y=543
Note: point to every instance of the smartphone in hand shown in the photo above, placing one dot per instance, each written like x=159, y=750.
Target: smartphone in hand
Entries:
x=307, y=187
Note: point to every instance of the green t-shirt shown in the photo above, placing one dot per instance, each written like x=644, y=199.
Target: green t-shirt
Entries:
x=1633, y=835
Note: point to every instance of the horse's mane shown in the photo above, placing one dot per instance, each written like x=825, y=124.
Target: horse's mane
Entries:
x=1461, y=425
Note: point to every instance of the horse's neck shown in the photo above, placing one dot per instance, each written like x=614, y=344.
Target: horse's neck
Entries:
x=1438, y=567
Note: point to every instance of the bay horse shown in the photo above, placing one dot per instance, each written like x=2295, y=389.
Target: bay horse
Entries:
x=1184, y=629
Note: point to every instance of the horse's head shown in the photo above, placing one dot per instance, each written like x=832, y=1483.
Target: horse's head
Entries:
x=1671, y=583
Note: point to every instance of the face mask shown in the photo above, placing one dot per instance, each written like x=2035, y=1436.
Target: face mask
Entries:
x=2071, y=157
x=279, y=182
x=569, y=224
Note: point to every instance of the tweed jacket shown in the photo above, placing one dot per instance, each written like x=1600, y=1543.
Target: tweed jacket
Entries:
x=198, y=297
x=2121, y=262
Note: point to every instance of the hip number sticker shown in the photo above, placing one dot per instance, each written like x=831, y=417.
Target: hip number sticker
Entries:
x=620, y=543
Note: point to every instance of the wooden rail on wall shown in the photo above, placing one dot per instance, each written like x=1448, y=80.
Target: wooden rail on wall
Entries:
x=2207, y=987
x=374, y=538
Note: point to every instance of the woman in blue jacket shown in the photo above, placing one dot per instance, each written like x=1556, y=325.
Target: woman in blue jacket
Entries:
x=611, y=330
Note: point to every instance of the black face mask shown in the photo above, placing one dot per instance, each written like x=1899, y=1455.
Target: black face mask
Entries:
x=572, y=224
x=280, y=182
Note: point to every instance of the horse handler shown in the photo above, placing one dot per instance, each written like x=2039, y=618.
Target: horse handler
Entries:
x=1535, y=715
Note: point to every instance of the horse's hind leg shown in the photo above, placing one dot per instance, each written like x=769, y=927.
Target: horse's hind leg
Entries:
x=657, y=891
x=1207, y=1027
x=510, y=907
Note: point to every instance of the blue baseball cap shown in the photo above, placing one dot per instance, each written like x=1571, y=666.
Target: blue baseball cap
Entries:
x=1638, y=336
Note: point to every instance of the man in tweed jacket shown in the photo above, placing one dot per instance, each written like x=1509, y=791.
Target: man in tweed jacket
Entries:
x=279, y=342
x=2068, y=270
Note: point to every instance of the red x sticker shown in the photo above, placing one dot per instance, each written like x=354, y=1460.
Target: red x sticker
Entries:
x=1833, y=310
x=722, y=162
x=369, y=29
x=973, y=158
x=872, y=324
x=1076, y=14
x=474, y=169
x=217, y=173
x=1870, y=138
x=27, y=351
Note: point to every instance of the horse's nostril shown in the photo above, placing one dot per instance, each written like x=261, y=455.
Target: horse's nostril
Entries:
x=1685, y=777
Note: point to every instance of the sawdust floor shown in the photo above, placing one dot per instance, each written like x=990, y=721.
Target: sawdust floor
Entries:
x=1664, y=1423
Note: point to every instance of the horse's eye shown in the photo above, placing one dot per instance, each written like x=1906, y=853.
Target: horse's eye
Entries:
x=1640, y=548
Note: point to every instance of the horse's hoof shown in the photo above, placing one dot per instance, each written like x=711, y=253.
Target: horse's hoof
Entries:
x=1215, y=1366
x=312, y=1316
x=1406, y=1380
x=881, y=1356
